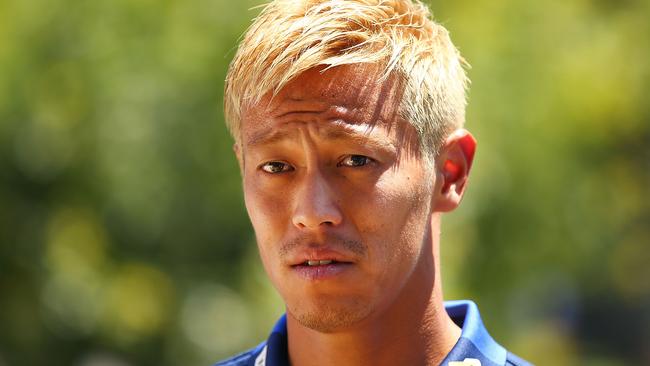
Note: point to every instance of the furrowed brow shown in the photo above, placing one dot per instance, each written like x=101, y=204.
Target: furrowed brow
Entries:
x=269, y=136
x=358, y=137
x=343, y=132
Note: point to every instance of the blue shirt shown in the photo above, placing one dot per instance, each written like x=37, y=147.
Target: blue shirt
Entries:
x=474, y=348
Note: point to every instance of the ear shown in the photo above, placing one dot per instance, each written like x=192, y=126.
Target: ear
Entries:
x=236, y=148
x=452, y=167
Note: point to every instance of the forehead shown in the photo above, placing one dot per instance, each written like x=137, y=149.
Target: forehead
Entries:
x=351, y=94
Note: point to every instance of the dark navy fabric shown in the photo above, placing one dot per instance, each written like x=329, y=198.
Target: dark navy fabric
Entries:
x=278, y=350
x=474, y=347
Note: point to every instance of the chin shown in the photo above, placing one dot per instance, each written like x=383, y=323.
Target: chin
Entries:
x=329, y=316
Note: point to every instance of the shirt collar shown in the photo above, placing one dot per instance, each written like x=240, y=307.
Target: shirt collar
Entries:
x=475, y=343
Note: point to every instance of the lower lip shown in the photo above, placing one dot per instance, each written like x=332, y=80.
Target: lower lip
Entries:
x=324, y=272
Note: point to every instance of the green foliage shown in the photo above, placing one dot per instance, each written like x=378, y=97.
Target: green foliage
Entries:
x=123, y=234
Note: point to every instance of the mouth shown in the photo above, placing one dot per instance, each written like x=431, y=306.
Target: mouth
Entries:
x=321, y=269
x=315, y=257
x=315, y=263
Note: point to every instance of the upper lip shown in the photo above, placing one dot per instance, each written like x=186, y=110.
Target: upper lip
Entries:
x=318, y=254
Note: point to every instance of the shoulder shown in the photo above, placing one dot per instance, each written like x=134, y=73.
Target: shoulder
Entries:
x=246, y=358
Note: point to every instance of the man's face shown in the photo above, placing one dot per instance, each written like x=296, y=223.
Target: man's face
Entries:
x=338, y=195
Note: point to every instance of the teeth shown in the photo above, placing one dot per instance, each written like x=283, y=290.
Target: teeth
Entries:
x=318, y=263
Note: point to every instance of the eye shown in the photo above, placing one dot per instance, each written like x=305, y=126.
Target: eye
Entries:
x=355, y=161
x=275, y=167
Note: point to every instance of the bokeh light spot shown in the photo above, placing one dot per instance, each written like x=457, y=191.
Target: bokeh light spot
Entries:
x=139, y=302
x=216, y=319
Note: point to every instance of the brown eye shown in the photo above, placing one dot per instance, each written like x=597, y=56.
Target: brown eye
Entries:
x=355, y=161
x=275, y=167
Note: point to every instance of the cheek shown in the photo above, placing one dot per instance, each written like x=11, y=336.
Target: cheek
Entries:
x=267, y=211
x=399, y=216
x=401, y=196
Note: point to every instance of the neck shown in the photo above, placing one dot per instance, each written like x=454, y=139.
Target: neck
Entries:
x=414, y=330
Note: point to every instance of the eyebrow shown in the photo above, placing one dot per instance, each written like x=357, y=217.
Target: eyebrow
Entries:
x=341, y=132
x=269, y=136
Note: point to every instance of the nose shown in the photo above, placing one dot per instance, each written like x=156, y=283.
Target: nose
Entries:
x=316, y=204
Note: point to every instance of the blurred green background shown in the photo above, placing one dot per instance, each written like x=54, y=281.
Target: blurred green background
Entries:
x=123, y=235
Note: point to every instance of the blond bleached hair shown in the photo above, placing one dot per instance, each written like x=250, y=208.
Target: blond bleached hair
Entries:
x=290, y=37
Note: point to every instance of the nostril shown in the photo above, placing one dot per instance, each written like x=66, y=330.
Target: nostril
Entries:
x=302, y=224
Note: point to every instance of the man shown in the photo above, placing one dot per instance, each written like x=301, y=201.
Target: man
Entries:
x=347, y=118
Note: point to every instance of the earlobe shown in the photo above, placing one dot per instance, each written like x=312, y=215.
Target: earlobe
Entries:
x=453, y=164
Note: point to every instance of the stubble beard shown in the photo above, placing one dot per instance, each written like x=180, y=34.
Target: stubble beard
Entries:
x=330, y=318
x=323, y=313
